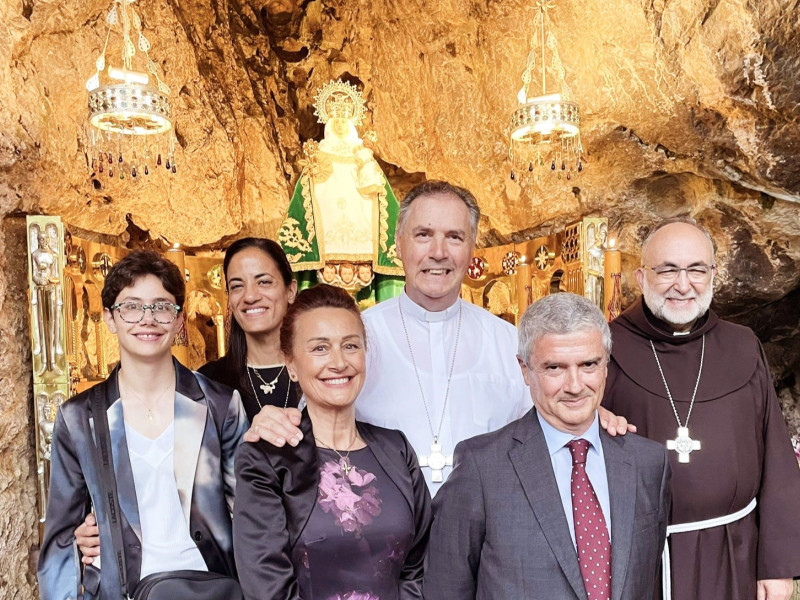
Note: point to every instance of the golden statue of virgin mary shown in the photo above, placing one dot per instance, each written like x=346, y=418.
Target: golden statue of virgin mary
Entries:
x=342, y=215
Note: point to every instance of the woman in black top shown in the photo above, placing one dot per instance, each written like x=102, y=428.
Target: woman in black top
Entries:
x=345, y=514
x=260, y=288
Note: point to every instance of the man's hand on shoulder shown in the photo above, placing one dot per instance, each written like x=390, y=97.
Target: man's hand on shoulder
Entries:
x=276, y=426
x=613, y=424
x=775, y=589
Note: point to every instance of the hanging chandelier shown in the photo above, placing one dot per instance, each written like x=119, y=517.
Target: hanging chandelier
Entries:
x=131, y=130
x=545, y=129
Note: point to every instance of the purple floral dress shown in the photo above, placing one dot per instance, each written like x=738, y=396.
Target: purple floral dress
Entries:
x=356, y=539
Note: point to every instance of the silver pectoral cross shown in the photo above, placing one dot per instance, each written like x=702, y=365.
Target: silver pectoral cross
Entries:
x=683, y=445
x=436, y=461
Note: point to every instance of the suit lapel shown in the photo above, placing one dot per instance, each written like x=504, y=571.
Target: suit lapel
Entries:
x=531, y=460
x=126, y=490
x=191, y=413
x=620, y=471
x=190, y=424
x=392, y=462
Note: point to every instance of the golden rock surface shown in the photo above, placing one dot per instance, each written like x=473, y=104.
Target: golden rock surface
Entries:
x=688, y=106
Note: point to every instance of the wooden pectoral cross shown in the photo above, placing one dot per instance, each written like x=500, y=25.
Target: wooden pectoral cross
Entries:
x=683, y=445
x=436, y=461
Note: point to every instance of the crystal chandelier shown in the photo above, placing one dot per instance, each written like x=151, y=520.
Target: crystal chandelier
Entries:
x=131, y=131
x=545, y=129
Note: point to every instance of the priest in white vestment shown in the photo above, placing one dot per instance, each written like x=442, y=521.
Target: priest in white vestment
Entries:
x=486, y=389
x=439, y=369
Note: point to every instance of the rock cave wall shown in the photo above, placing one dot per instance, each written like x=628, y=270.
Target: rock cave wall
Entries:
x=688, y=106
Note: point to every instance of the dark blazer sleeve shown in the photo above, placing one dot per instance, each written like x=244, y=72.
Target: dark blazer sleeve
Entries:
x=665, y=506
x=59, y=569
x=410, y=586
x=260, y=535
x=233, y=429
x=458, y=532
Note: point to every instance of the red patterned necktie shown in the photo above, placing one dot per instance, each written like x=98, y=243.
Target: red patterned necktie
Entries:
x=591, y=534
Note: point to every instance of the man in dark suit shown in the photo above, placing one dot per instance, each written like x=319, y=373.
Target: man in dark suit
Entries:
x=550, y=506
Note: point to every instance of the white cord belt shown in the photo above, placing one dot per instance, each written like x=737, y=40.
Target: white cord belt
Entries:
x=666, y=580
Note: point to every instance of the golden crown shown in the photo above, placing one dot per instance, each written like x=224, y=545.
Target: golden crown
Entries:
x=339, y=100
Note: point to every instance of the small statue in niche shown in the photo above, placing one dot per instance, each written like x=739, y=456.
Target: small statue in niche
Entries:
x=343, y=212
x=48, y=408
x=46, y=298
x=595, y=240
x=596, y=235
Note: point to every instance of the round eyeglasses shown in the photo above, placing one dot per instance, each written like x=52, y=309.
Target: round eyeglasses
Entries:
x=669, y=273
x=133, y=312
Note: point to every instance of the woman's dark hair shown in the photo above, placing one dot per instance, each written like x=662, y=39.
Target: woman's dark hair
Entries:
x=319, y=296
x=138, y=264
x=237, y=343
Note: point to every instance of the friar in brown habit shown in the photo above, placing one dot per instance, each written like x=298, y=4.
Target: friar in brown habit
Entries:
x=702, y=386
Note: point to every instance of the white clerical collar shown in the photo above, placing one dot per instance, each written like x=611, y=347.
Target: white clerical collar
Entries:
x=416, y=311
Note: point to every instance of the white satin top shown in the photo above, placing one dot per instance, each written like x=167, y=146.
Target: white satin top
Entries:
x=166, y=542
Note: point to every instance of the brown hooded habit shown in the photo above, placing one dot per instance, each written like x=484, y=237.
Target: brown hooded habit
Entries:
x=745, y=453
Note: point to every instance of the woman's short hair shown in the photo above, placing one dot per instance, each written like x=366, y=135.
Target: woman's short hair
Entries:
x=138, y=264
x=559, y=314
x=320, y=296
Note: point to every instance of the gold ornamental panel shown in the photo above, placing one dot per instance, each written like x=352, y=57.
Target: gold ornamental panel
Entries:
x=570, y=260
x=71, y=347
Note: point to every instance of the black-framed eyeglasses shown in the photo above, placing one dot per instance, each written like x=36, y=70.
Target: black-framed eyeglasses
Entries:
x=669, y=273
x=133, y=312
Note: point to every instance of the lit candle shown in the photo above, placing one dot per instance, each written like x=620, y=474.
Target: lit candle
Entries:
x=612, y=288
x=523, y=287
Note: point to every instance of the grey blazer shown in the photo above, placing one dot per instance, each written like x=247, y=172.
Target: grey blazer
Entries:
x=500, y=531
x=209, y=423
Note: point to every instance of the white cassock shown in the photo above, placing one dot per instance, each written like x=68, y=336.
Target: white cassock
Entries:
x=486, y=391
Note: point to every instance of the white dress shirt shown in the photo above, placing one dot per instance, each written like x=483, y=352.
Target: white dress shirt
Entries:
x=561, y=458
x=166, y=543
x=486, y=391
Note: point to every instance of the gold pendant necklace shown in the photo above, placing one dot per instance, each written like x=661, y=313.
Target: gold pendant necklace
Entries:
x=274, y=381
x=148, y=409
x=344, y=459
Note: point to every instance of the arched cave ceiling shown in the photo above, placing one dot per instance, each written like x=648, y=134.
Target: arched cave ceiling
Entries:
x=687, y=105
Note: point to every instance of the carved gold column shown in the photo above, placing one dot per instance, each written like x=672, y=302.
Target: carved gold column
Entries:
x=613, y=278
x=219, y=324
x=523, y=288
x=48, y=334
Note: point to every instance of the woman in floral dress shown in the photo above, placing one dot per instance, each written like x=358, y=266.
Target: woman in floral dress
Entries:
x=344, y=515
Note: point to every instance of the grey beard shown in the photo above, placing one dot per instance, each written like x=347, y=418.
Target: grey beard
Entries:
x=657, y=303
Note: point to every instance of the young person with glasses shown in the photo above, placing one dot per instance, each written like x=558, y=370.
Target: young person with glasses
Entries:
x=173, y=434
x=260, y=287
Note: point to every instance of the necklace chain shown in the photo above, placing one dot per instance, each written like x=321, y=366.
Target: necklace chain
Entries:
x=344, y=459
x=434, y=432
x=267, y=387
x=149, y=409
x=255, y=394
x=696, y=383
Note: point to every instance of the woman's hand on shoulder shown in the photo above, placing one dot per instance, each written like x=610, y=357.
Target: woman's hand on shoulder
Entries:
x=87, y=538
x=276, y=426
